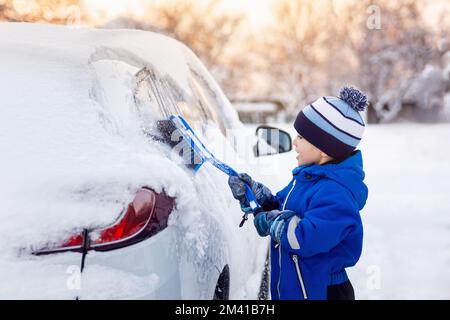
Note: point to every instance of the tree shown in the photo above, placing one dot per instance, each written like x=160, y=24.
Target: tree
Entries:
x=203, y=27
x=314, y=48
x=294, y=50
x=51, y=11
x=392, y=56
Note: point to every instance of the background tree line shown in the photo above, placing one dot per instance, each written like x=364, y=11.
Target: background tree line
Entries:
x=386, y=48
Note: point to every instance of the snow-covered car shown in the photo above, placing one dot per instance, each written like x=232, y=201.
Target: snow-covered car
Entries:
x=94, y=204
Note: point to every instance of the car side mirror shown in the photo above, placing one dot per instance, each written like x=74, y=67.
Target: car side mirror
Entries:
x=272, y=141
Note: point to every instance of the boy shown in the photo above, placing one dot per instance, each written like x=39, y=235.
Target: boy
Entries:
x=314, y=222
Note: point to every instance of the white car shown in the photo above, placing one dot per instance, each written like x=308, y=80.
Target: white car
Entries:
x=94, y=204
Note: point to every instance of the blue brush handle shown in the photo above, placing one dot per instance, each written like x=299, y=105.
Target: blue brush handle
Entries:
x=207, y=155
x=252, y=200
x=248, y=191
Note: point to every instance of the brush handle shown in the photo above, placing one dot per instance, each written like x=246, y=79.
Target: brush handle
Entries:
x=256, y=208
x=231, y=172
x=248, y=191
x=251, y=198
x=200, y=149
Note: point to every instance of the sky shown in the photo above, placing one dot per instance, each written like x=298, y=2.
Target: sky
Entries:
x=256, y=11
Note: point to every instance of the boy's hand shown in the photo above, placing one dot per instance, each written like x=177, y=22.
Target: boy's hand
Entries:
x=237, y=186
x=277, y=225
x=263, y=220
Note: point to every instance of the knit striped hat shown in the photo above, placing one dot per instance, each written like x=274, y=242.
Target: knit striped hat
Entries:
x=333, y=124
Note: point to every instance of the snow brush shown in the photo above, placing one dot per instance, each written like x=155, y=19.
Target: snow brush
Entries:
x=179, y=134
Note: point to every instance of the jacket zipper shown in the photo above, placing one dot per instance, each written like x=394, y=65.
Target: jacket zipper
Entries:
x=289, y=193
x=279, y=245
x=299, y=275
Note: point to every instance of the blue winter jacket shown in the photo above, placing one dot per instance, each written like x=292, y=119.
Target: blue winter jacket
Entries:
x=325, y=236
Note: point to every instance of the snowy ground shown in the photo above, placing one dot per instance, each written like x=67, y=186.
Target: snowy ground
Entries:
x=406, y=251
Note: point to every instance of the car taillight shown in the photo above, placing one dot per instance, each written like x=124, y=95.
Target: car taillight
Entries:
x=74, y=244
x=145, y=216
x=135, y=219
x=74, y=241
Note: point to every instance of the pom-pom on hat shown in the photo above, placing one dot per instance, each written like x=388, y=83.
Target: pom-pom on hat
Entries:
x=334, y=125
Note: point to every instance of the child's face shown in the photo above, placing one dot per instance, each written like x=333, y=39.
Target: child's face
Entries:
x=307, y=153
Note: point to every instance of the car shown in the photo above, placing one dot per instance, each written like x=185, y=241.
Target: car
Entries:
x=96, y=204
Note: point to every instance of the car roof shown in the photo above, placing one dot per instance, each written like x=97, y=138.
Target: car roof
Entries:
x=78, y=48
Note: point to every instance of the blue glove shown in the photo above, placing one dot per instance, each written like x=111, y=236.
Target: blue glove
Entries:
x=277, y=225
x=237, y=186
x=263, y=220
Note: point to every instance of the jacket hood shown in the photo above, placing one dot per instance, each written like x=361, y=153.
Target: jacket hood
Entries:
x=348, y=173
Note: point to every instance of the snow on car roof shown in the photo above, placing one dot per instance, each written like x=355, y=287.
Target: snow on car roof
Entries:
x=256, y=107
x=78, y=47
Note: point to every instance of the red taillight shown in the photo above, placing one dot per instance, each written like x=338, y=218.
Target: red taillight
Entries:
x=75, y=244
x=74, y=241
x=145, y=216
x=137, y=216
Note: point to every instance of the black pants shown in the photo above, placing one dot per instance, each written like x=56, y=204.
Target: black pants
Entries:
x=342, y=291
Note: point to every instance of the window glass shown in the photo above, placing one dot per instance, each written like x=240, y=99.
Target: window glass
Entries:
x=157, y=97
x=206, y=98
